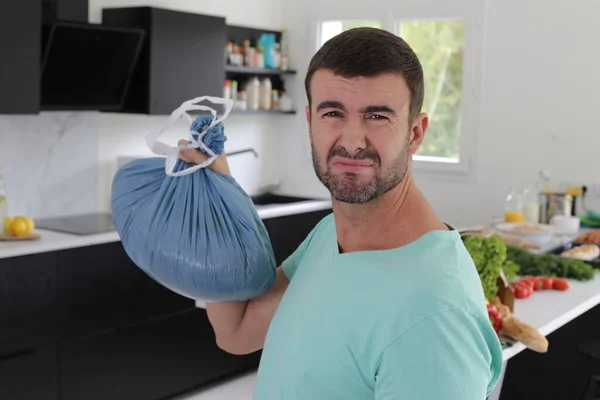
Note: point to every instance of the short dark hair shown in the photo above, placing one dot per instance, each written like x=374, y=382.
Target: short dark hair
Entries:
x=369, y=52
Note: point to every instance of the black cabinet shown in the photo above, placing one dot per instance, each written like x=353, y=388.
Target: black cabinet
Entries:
x=28, y=300
x=182, y=58
x=150, y=361
x=564, y=372
x=288, y=232
x=87, y=323
x=20, y=55
x=102, y=289
x=30, y=374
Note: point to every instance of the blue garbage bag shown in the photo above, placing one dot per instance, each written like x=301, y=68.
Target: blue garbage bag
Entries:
x=198, y=234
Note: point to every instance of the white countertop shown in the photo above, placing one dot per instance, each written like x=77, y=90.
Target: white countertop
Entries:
x=53, y=241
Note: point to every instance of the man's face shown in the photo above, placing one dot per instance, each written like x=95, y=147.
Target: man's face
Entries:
x=361, y=135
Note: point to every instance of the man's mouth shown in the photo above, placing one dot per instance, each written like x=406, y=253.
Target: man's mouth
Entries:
x=350, y=165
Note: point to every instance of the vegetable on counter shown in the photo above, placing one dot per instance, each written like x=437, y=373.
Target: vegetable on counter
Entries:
x=550, y=265
x=489, y=257
x=524, y=287
x=495, y=317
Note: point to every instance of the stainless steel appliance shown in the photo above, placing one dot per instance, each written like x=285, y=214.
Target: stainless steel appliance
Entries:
x=555, y=204
x=83, y=224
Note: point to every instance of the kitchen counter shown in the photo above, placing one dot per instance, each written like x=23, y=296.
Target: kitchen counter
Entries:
x=53, y=241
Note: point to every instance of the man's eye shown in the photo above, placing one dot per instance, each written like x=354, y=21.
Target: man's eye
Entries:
x=332, y=114
x=378, y=117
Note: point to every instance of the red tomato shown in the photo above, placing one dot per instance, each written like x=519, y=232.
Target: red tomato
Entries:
x=528, y=281
x=560, y=284
x=547, y=282
x=522, y=291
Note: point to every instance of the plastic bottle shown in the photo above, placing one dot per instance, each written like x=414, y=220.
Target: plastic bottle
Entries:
x=285, y=51
x=265, y=94
x=227, y=90
x=3, y=200
x=253, y=90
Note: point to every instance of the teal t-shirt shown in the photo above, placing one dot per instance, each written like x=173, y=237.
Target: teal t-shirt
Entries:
x=408, y=323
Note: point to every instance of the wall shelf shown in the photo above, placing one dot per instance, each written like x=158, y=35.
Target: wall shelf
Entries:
x=256, y=71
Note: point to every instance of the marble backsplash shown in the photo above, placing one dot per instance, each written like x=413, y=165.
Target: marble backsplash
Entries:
x=49, y=163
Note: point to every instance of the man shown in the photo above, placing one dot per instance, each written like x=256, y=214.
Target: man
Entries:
x=381, y=301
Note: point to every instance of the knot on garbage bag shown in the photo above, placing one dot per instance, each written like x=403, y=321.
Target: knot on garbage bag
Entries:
x=214, y=138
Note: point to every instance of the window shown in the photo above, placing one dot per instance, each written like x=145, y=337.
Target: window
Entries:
x=329, y=29
x=440, y=48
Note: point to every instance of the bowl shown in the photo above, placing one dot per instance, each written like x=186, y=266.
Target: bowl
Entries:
x=539, y=234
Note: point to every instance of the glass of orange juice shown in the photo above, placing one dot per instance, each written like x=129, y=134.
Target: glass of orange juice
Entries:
x=514, y=216
x=514, y=206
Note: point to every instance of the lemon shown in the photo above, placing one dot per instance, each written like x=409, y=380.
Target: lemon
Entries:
x=19, y=227
x=8, y=225
x=30, y=224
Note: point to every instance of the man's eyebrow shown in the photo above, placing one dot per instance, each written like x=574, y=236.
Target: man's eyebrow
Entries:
x=330, y=104
x=378, y=108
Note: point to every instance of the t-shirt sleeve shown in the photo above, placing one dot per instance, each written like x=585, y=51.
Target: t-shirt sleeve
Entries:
x=290, y=264
x=450, y=355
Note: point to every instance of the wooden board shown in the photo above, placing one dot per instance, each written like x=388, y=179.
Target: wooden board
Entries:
x=30, y=236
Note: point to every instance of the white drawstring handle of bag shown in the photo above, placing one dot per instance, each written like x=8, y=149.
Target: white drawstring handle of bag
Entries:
x=172, y=153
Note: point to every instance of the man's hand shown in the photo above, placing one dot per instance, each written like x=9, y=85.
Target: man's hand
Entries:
x=195, y=156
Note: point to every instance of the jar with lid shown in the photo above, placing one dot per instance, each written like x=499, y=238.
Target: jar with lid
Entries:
x=514, y=210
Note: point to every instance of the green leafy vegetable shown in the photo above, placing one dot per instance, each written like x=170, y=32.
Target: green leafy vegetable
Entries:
x=489, y=256
x=511, y=270
x=549, y=265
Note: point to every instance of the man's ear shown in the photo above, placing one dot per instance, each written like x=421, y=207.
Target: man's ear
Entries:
x=419, y=127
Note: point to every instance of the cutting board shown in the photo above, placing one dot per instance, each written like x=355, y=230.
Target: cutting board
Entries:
x=29, y=236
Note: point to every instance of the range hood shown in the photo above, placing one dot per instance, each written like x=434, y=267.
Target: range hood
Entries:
x=87, y=66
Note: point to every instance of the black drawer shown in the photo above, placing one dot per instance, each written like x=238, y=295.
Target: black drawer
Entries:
x=28, y=297
x=29, y=374
x=150, y=361
x=101, y=289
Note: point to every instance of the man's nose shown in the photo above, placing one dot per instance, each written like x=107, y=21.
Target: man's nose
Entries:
x=354, y=135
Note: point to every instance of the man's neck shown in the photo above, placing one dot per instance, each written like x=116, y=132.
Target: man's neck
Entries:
x=397, y=218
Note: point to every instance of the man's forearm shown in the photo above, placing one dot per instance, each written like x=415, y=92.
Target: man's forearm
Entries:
x=226, y=319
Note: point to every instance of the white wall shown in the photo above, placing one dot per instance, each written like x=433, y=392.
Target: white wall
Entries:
x=539, y=92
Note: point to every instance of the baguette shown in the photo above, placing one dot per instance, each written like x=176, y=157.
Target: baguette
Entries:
x=520, y=331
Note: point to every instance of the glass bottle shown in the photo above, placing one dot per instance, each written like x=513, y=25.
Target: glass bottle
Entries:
x=531, y=204
x=513, y=211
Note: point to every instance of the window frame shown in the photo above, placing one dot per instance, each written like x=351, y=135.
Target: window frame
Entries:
x=464, y=169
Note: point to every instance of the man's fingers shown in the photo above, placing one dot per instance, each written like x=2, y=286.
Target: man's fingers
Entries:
x=192, y=156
